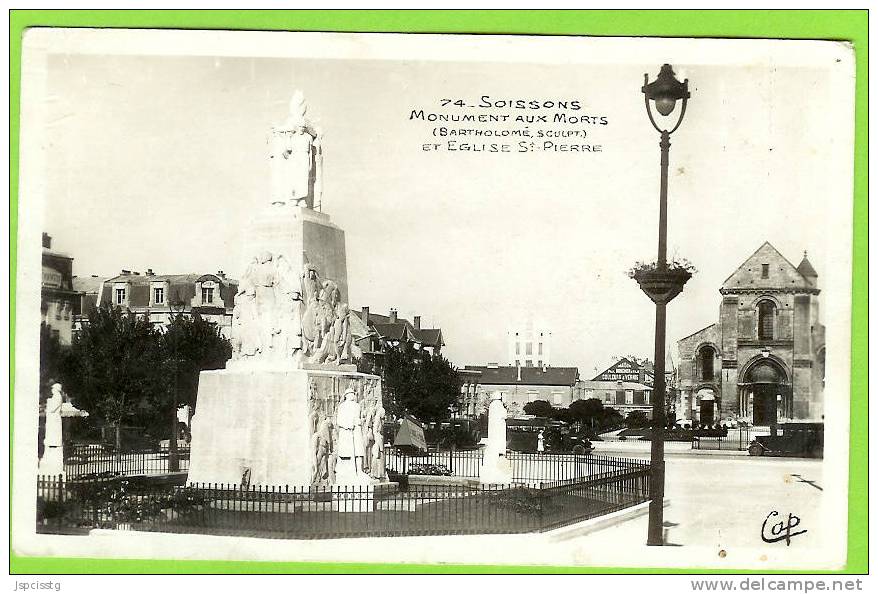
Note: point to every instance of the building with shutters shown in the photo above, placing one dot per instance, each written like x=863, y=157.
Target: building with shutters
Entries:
x=160, y=297
x=763, y=361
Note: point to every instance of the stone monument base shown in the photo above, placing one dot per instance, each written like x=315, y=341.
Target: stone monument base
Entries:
x=495, y=469
x=256, y=426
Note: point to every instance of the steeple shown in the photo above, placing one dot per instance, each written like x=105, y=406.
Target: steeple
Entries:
x=807, y=270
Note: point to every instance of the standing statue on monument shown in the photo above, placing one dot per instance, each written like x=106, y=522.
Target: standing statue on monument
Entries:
x=296, y=158
x=350, y=447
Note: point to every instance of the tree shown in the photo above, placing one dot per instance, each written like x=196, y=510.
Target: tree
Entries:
x=418, y=383
x=114, y=369
x=190, y=345
x=51, y=360
x=539, y=408
x=637, y=419
x=123, y=370
x=593, y=415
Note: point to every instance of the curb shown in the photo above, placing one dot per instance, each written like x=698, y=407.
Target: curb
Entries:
x=601, y=522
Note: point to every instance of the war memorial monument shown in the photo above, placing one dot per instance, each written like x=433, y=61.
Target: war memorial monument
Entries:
x=290, y=408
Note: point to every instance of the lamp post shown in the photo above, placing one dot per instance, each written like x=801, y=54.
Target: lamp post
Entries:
x=661, y=285
x=176, y=306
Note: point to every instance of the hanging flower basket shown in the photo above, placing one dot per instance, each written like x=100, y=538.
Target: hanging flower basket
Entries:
x=661, y=285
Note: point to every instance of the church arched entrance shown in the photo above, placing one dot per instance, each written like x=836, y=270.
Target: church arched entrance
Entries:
x=708, y=406
x=765, y=392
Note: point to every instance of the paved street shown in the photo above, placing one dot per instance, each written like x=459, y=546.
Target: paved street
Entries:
x=722, y=501
x=717, y=507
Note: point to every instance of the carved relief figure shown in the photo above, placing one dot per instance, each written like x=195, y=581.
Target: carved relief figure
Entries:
x=288, y=330
x=376, y=466
x=245, y=332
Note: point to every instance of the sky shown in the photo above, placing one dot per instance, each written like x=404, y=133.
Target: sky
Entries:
x=159, y=162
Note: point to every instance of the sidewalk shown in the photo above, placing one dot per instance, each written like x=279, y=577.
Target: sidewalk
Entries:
x=635, y=447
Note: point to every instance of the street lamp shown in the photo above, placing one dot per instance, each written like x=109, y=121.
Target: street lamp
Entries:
x=176, y=307
x=661, y=285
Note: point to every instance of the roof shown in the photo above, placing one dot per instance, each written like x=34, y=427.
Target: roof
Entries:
x=87, y=284
x=530, y=376
x=633, y=365
x=745, y=276
x=805, y=268
x=401, y=330
x=708, y=327
x=180, y=287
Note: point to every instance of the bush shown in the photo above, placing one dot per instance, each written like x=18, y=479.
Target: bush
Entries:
x=430, y=469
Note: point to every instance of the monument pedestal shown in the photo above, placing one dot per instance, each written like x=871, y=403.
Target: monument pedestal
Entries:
x=302, y=235
x=495, y=469
x=259, y=426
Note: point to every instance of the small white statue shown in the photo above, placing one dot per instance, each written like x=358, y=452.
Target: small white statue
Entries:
x=495, y=466
x=52, y=462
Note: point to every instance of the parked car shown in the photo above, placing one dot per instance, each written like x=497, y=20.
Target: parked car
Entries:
x=522, y=435
x=792, y=439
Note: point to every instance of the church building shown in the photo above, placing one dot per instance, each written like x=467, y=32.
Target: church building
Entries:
x=763, y=361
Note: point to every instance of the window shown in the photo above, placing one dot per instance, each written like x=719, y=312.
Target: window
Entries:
x=517, y=348
x=765, y=271
x=528, y=348
x=766, y=320
x=528, y=363
x=540, y=349
x=620, y=396
x=518, y=362
x=629, y=396
x=207, y=295
x=540, y=363
x=557, y=398
x=706, y=357
x=158, y=295
x=120, y=296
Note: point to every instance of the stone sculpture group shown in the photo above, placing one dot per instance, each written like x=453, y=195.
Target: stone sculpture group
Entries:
x=283, y=316
x=347, y=444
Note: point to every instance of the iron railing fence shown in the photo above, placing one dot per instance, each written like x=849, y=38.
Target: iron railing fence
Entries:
x=80, y=460
x=525, y=467
x=333, y=512
x=735, y=439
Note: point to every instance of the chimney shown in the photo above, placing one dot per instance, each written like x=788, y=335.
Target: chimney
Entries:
x=149, y=272
x=125, y=272
x=366, y=315
x=392, y=316
x=221, y=274
x=47, y=241
x=417, y=322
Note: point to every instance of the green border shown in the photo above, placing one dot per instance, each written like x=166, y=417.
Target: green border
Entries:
x=850, y=25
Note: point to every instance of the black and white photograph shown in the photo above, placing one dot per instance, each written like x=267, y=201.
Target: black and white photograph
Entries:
x=414, y=298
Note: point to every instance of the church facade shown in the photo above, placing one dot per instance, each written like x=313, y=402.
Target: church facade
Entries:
x=763, y=361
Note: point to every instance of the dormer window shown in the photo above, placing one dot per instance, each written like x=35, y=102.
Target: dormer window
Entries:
x=765, y=271
x=207, y=295
x=120, y=296
x=158, y=295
